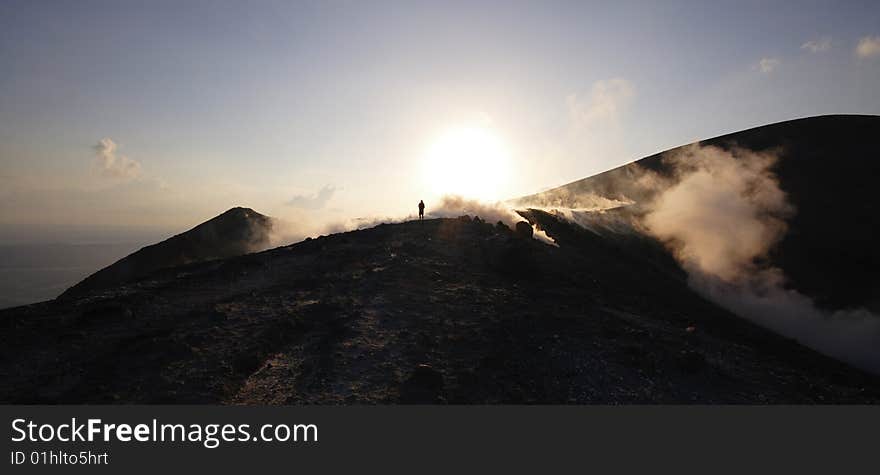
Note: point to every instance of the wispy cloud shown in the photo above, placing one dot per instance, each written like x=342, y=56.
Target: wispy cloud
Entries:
x=767, y=65
x=111, y=164
x=868, y=47
x=315, y=201
x=607, y=99
x=817, y=45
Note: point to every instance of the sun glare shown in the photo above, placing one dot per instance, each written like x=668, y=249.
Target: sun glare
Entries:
x=468, y=161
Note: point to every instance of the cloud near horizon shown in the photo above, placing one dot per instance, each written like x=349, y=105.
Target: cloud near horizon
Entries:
x=113, y=165
x=315, y=201
x=868, y=47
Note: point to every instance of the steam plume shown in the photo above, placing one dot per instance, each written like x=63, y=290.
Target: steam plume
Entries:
x=452, y=206
x=722, y=213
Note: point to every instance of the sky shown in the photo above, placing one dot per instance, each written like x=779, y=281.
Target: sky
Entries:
x=159, y=115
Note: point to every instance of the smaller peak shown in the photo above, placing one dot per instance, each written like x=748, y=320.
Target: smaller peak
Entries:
x=239, y=211
x=237, y=214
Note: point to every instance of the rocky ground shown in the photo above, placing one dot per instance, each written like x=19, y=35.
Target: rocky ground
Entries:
x=441, y=311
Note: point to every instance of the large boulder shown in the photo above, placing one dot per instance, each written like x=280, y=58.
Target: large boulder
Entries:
x=524, y=229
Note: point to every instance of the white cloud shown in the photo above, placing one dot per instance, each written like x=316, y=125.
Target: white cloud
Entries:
x=818, y=45
x=608, y=98
x=767, y=65
x=315, y=201
x=113, y=165
x=868, y=47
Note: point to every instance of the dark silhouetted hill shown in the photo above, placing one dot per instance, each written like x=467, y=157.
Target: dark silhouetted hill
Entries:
x=829, y=167
x=233, y=233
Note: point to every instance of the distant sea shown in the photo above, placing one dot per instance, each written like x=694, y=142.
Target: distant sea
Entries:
x=32, y=273
x=39, y=262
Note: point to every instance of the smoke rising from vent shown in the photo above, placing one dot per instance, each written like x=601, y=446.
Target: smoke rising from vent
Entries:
x=452, y=206
x=724, y=211
x=720, y=215
x=563, y=198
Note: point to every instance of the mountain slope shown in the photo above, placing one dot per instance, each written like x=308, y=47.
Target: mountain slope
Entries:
x=233, y=233
x=445, y=310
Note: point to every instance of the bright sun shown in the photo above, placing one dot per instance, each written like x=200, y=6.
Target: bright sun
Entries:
x=468, y=161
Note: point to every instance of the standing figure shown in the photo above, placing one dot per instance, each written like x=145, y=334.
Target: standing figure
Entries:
x=421, y=210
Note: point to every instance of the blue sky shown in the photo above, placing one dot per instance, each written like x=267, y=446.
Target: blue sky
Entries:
x=272, y=105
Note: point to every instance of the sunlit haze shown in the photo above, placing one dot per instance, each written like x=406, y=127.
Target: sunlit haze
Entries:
x=467, y=161
x=160, y=115
x=437, y=203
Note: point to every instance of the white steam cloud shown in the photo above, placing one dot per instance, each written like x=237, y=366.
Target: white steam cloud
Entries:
x=720, y=215
x=563, y=198
x=453, y=206
x=113, y=165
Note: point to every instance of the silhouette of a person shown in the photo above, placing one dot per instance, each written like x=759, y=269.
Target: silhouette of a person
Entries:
x=421, y=210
